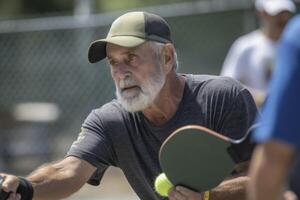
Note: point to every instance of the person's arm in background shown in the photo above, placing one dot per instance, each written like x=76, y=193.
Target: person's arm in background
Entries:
x=53, y=181
x=269, y=168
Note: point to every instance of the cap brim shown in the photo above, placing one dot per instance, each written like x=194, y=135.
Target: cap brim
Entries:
x=274, y=8
x=97, y=50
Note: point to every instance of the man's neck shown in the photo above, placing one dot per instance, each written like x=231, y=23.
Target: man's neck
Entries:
x=167, y=102
x=273, y=34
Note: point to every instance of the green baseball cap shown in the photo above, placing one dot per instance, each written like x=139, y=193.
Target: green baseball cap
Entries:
x=130, y=30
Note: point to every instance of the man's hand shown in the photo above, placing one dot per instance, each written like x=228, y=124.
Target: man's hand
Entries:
x=10, y=184
x=182, y=193
x=289, y=195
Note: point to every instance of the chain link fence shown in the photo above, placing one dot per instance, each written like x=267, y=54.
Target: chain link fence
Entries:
x=51, y=66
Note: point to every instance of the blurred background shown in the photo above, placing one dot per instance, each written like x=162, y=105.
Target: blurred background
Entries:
x=47, y=86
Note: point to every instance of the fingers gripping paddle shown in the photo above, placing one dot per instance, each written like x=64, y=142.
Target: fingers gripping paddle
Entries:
x=197, y=158
x=3, y=195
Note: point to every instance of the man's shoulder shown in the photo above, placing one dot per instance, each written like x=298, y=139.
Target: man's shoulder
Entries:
x=213, y=81
x=216, y=86
x=249, y=40
x=251, y=36
x=112, y=106
x=110, y=111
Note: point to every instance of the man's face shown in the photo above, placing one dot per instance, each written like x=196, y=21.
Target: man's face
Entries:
x=137, y=74
x=280, y=20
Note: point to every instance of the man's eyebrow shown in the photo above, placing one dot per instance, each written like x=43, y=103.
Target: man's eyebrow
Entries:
x=130, y=51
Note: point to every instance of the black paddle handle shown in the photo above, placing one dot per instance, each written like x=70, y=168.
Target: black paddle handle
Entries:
x=4, y=195
x=25, y=189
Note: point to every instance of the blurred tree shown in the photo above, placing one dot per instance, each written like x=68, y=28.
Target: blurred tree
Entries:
x=109, y=5
x=38, y=7
x=10, y=9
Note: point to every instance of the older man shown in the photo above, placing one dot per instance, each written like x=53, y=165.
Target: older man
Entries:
x=152, y=101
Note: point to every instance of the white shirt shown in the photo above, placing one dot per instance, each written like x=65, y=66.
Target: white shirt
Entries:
x=250, y=60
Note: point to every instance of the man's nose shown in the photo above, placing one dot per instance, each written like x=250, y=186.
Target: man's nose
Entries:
x=122, y=70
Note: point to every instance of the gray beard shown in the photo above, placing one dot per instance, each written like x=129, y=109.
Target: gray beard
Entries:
x=150, y=89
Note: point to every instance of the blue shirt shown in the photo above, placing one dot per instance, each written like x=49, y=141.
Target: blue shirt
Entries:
x=281, y=114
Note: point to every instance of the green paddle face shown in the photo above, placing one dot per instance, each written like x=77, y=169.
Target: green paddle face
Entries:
x=196, y=157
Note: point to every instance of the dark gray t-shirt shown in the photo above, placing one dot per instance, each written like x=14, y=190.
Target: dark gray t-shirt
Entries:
x=111, y=136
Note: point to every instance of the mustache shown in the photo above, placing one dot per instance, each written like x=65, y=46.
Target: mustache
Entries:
x=127, y=82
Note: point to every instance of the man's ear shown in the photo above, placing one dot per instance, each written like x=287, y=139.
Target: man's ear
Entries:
x=167, y=57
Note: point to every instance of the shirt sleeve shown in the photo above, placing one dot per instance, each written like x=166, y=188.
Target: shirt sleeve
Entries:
x=230, y=108
x=231, y=112
x=240, y=115
x=94, y=146
x=237, y=125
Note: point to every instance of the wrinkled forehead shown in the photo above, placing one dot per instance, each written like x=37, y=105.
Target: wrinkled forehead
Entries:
x=115, y=50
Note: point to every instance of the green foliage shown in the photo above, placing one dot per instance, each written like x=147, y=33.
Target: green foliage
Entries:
x=50, y=6
x=39, y=8
x=10, y=8
x=108, y=5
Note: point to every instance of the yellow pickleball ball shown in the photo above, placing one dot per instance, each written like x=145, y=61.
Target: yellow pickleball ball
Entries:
x=163, y=185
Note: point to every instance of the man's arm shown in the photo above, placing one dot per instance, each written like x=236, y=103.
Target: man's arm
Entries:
x=271, y=162
x=234, y=188
x=56, y=180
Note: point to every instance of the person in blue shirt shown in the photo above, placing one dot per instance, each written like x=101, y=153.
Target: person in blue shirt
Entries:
x=279, y=133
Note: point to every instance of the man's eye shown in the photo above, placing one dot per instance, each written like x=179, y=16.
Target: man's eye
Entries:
x=113, y=62
x=132, y=58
